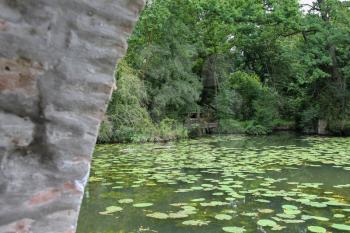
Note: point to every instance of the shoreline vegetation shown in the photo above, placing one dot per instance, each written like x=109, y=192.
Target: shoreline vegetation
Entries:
x=251, y=67
x=168, y=134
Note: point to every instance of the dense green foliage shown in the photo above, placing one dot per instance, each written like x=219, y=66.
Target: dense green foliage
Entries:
x=254, y=66
x=127, y=116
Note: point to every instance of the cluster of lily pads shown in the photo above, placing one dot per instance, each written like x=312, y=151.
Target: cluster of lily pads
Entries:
x=222, y=183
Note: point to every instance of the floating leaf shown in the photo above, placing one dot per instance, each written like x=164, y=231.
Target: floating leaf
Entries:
x=289, y=216
x=262, y=201
x=267, y=223
x=158, y=215
x=198, y=200
x=196, y=223
x=142, y=205
x=180, y=214
x=126, y=201
x=339, y=216
x=341, y=227
x=234, y=229
x=289, y=207
x=307, y=217
x=111, y=209
x=266, y=211
x=316, y=229
x=223, y=217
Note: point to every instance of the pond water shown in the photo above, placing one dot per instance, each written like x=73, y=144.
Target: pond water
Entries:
x=280, y=183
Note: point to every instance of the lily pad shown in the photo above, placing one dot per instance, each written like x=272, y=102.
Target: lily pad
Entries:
x=195, y=223
x=266, y=211
x=234, y=229
x=223, y=217
x=111, y=209
x=319, y=218
x=316, y=229
x=291, y=212
x=142, y=205
x=339, y=216
x=158, y=215
x=177, y=215
x=289, y=207
x=126, y=201
x=198, y=200
x=341, y=227
x=267, y=223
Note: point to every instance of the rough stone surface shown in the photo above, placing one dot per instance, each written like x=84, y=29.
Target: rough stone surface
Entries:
x=57, y=58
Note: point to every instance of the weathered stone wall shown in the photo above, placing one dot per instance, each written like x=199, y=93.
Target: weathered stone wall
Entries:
x=57, y=58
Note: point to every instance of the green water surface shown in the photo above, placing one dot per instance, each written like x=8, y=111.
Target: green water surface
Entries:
x=280, y=183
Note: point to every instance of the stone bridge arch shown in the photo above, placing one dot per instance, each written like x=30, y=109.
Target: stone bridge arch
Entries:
x=57, y=58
